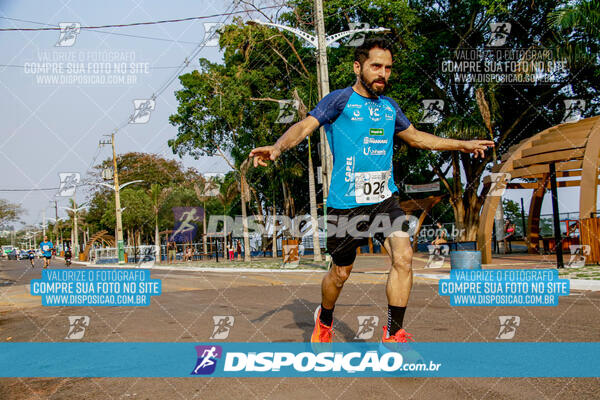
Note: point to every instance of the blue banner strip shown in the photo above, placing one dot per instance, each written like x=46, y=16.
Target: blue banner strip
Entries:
x=342, y=360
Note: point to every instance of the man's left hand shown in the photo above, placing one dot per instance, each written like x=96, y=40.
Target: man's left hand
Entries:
x=477, y=147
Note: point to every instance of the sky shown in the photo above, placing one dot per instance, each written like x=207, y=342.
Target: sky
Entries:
x=54, y=127
x=51, y=125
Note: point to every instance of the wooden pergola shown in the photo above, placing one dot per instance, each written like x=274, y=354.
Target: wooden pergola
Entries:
x=573, y=149
x=100, y=236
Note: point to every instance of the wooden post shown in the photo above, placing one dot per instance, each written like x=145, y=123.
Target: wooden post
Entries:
x=556, y=218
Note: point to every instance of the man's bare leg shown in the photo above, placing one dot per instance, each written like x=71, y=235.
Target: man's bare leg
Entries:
x=332, y=284
x=400, y=279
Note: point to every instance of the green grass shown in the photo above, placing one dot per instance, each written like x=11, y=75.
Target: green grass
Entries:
x=591, y=272
x=260, y=263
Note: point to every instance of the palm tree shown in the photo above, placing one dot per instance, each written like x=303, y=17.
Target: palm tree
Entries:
x=578, y=28
x=158, y=195
x=584, y=15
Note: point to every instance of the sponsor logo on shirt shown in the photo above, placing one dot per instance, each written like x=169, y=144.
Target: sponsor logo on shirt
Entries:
x=350, y=105
x=349, y=169
x=374, y=112
x=376, y=131
x=370, y=140
x=368, y=151
x=356, y=116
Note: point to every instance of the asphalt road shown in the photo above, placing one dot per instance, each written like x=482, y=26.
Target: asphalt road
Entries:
x=278, y=306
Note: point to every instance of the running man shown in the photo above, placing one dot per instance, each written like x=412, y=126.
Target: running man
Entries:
x=31, y=255
x=46, y=246
x=360, y=124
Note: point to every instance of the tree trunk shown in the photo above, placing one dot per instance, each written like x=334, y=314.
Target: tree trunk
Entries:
x=244, y=194
x=274, y=245
x=204, y=227
x=313, y=208
x=224, y=236
x=156, y=240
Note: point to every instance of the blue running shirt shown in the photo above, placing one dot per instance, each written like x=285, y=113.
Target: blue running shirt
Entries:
x=46, y=248
x=360, y=131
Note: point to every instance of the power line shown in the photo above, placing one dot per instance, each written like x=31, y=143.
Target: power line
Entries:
x=38, y=189
x=107, y=33
x=157, y=67
x=56, y=28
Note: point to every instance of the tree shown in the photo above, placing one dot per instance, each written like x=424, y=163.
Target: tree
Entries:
x=216, y=114
x=221, y=113
x=512, y=211
x=152, y=169
x=9, y=212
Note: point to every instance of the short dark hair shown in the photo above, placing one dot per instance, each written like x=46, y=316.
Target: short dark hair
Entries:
x=362, y=52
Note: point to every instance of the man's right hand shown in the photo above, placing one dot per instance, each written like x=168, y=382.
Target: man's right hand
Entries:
x=263, y=154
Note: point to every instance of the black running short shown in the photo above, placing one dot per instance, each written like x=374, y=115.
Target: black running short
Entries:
x=348, y=229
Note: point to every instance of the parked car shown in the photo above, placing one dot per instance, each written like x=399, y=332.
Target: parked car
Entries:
x=6, y=250
x=23, y=255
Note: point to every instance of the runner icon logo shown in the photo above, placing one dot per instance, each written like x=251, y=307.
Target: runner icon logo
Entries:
x=68, y=33
x=142, y=109
x=77, y=326
x=508, y=326
x=437, y=255
x=68, y=183
x=358, y=38
x=499, y=180
x=288, y=109
x=211, y=33
x=207, y=359
x=223, y=324
x=366, y=326
x=432, y=111
x=500, y=32
x=573, y=110
x=579, y=253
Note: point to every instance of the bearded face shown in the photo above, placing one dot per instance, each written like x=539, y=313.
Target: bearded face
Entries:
x=374, y=72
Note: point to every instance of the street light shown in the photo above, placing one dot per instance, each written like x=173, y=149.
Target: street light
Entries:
x=75, y=233
x=56, y=220
x=117, y=188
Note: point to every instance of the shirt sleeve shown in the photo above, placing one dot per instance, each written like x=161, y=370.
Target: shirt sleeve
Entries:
x=402, y=123
x=330, y=107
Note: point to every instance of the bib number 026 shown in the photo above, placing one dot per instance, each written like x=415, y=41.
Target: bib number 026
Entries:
x=372, y=187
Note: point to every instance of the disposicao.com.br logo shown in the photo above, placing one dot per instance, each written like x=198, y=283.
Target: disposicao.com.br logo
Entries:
x=300, y=363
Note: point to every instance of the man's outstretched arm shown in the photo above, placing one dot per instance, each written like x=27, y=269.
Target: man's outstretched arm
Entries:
x=427, y=141
x=294, y=135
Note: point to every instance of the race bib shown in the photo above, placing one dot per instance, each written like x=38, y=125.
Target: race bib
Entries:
x=46, y=247
x=371, y=187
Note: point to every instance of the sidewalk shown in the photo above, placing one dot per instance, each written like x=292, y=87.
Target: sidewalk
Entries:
x=373, y=264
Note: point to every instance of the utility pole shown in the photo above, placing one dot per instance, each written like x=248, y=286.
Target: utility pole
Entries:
x=120, y=248
x=119, y=227
x=55, y=228
x=44, y=223
x=323, y=77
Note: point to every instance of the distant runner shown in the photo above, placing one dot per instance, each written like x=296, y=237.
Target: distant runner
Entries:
x=46, y=246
